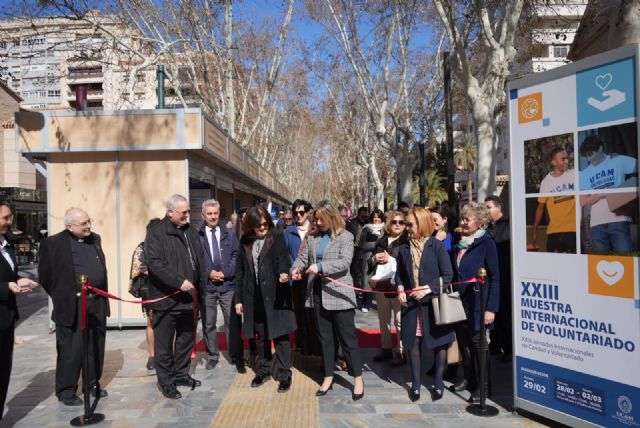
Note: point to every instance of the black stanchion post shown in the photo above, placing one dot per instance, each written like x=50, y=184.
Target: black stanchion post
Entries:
x=89, y=417
x=482, y=409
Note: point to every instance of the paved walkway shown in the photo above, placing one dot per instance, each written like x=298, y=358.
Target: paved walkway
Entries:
x=224, y=399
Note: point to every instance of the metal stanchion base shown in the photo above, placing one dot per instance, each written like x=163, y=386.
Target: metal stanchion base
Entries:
x=486, y=411
x=82, y=421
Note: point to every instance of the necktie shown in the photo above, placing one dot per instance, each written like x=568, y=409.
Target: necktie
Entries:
x=215, y=252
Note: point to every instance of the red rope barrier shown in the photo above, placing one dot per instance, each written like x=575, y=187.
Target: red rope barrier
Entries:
x=342, y=284
x=106, y=294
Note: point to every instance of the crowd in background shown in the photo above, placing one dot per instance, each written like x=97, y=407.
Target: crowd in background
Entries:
x=308, y=270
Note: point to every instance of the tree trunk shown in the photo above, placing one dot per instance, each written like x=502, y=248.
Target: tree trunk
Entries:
x=484, y=130
x=229, y=96
x=470, y=186
x=405, y=179
x=376, y=184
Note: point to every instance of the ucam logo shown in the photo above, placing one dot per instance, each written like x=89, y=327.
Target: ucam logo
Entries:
x=611, y=276
x=622, y=414
x=530, y=108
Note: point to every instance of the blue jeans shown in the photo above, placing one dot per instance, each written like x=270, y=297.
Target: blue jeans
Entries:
x=612, y=237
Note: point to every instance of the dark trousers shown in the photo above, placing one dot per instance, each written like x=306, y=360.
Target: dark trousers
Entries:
x=501, y=335
x=6, y=358
x=209, y=324
x=345, y=330
x=236, y=346
x=470, y=349
x=69, y=347
x=174, y=333
x=283, y=362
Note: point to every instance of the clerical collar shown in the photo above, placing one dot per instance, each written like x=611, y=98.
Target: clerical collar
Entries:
x=86, y=239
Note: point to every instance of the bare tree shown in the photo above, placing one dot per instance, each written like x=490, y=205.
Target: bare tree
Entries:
x=374, y=39
x=481, y=36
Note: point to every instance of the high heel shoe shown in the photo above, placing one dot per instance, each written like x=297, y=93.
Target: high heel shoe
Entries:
x=414, y=395
x=356, y=397
x=321, y=393
x=437, y=394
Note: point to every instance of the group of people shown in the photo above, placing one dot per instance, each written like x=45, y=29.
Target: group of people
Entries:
x=269, y=282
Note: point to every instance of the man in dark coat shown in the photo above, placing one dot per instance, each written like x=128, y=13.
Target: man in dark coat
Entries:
x=64, y=258
x=501, y=335
x=175, y=263
x=220, y=250
x=10, y=286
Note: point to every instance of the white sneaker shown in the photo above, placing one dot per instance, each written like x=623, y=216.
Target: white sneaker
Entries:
x=364, y=310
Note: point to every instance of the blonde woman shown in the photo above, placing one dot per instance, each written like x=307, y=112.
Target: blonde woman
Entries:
x=328, y=253
x=423, y=262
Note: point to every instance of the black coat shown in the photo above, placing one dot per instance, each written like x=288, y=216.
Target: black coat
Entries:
x=8, y=308
x=57, y=276
x=276, y=296
x=434, y=264
x=169, y=265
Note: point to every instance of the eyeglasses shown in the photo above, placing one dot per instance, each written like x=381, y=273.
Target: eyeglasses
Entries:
x=288, y=219
x=398, y=222
x=84, y=223
x=408, y=224
x=263, y=224
x=300, y=213
x=467, y=220
x=182, y=212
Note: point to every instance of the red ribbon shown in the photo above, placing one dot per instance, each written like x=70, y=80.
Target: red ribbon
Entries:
x=342, y=284
x=103, y=293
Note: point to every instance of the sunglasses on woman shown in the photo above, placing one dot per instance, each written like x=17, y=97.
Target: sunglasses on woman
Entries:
x=398, y=222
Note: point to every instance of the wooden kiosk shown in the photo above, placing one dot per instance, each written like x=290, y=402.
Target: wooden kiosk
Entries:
x=120, y=166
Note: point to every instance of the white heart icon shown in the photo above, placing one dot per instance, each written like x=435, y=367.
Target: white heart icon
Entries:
x=603, y=81
x=610, y=272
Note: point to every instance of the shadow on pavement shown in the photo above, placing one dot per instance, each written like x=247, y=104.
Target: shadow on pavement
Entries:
x=38, y=390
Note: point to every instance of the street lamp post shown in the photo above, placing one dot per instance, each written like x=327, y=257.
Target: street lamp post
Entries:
x=451, y=189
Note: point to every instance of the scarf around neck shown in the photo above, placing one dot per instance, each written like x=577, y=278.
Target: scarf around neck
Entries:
x=466, y=241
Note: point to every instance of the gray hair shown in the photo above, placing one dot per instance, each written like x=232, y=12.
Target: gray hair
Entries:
x=70, y=214
x=174, y=200
x=479, y=211
x=210, y=203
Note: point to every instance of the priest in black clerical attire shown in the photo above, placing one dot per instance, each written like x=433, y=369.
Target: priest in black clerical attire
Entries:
x=64, y=258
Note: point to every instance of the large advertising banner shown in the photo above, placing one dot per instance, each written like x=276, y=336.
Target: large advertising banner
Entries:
x=575, y=237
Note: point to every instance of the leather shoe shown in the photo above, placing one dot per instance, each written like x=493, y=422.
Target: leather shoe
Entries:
x=258, y=381
x=71, y=401
x=460, y=386
x=284, y=385
x=321, y=393
x=240, y=367
x=170, y=391
x=188, y=381
x=414, y=395
x=103, y=392
x=211, y=364
x=437, y=394
x=356, y=397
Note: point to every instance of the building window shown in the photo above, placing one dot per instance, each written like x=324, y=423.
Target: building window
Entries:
x=3, y=45
x=560, y=51
x=54, y=93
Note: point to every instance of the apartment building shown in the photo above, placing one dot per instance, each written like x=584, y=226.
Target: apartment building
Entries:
x=50, y=61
